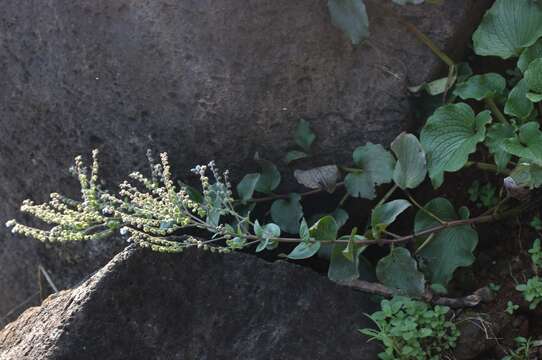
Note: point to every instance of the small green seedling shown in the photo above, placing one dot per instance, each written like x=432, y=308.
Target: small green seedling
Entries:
x=410, y=329
x=494, y=287
x=511, y=308
x=536, y=223
x=524, y=350
x=485, y=196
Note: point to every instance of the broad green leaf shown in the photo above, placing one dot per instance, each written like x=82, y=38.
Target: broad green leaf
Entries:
x=450, y=136
x=529, y=55
x=410, y=168
x=385, y=214
x=528, y=144
x=508, y=27
x=287, y=213
x=340, y=216
x=340, y=268
x=304, y=250
x=399, y=271
x=534, y=97
x=304, y=137
x=325, y=229
x=376, y=166
x=246, y=187
x=351, y=17
x=517, y=104
x=269, y=176
x=449, y=248
x=527, y=175
x=479, y=87
x=533, y=77
x=294, y=155
x=497, y=134
x=266, y=233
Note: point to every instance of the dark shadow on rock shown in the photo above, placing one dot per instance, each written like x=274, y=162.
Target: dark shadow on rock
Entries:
x=196, y=305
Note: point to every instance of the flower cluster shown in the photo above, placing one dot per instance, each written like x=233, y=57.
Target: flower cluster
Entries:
x=152, y=217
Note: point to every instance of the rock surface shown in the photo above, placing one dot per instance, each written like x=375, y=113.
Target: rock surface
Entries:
x=197, y=305
x=201, y=79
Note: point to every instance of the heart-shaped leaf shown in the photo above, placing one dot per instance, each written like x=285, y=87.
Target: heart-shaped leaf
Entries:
x=450, y=136
x=533, y=78
x=399, y=271
x=447, y=249
x=351, y=17
x=269, y=176
x=246, y=187
x=376, y=167
x=508, y=27
x=479, y=87
x=410, y=168
x=497, y=134
x=340, y=268
x=528, y=143
x=529, y=55
x=287, y=213
x=517, y=104
x=385, y=214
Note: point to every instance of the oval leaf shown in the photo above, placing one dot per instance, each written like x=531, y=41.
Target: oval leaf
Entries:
x=376, y=165
x=385, y=214
x=517, y=104
x=323, y=177
x=399, y=271
x=287, y=213
x=340, y=268
x=246, y=187
x=481, y=87
x=410, y=168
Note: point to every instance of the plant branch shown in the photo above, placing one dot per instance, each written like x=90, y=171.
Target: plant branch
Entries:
x=495, y=110
x=479, y=296
x=486, y=167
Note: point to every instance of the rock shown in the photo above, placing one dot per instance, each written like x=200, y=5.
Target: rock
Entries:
x=199, y=78
x=196, y=305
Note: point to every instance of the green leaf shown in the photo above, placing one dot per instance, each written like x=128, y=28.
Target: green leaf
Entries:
x=449, y=248
x=304, y=233
x=497, y=134
x=287, y=213
x=376, y=166
x=294, y=155
x=304, y=137
x=340, y=268
x=304, y=250
x=527, y=175
x=266, y=233
x=534, y=97
x=529, y=55
x=269, y=176
x=340, y=216
x=246, y=187
x=323, y=177
x=435, y=87
x=385, y=214
x=410, y=168
x=508, y=27
x=325, y=229
x=351, y=17
x=399, y=271
x=481, y=87
x=517, y=103
x=450, y=136
x=533, y=76
x=528, y=144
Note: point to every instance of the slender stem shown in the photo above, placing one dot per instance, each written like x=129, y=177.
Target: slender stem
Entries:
x=408, y=238
x=428, y=42
x=387, y=195
x=434, y=216
x=486, y=167
x=495, y=110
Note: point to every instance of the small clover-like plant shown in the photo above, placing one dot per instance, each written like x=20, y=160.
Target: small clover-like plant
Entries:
x=410, y=329
x=511, y=308
x=524, y=350
x=532, y=291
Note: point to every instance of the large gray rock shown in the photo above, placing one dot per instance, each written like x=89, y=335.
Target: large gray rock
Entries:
x=197, y=305
x=201, y=79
